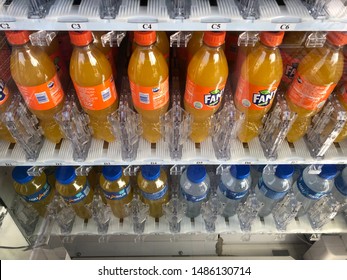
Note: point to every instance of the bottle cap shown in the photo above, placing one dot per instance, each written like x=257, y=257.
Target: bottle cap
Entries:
x=145, y=38
x=341, y=185
x=214, y=38
x=150, y=172
x=65, y=174
x=20, y=174
x=112, y=173
x=284, y=171
x=337, y=38
x=80, y=38
x=272, y=39
x=329, y=171
x=196, y=173
x=240, y=171
x=17, y=37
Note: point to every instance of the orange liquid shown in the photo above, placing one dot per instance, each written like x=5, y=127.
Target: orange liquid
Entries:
x=4, y=133
x=194, y=44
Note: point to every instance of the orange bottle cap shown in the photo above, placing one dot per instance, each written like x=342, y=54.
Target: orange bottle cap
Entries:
x=80, y=38
x=337, y=38
x=271, y=39
x=145, y=38
x=17, y=37
x=214, y=38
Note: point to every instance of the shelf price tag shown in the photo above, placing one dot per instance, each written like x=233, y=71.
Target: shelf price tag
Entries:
x=76, y=26
x=285, y=26
x=147, y=26
x=6, y=25
x=217, y=26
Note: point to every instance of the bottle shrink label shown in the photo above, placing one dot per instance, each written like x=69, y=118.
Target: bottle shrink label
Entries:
x=306, y=95
x=97, y=97
x=342, y=93
x=79, y=196
x=202, y=97
x=269, y=193
x=3, y=94
x=255, y=97
x=307, y=192
x=150, y=98
x=155, y=196
x=290, y=66
x=193, y=198
x=43, y=97
x=40, y=195
x=230, y=194
x=117, y=195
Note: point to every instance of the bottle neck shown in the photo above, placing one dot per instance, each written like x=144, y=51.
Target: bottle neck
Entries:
x=211, y=47
x=267, y=47
x=333, y=47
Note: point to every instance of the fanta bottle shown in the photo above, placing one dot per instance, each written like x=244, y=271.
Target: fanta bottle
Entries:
x=206, y=78
x=116, y=188
x=65, y=47
x=75, y=190
x=91, y=74
x=261, y=73
x=5, y=101
x=149, y=83
x=33, y=189
x=37, y=80
x=316, y=77
x=163, y=44
x=152, y=181
x=194, y=44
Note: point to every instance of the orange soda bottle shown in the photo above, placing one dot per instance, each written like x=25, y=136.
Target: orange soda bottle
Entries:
x=316, y=77
x=149, y=83
x=261, y=73
x=194, y=44
x=206, y=78
x=92, y=76
x=5, y=101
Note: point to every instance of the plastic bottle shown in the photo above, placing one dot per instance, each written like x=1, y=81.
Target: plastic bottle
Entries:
x=36, y=78
x=339, y=190
x=316, y=77
x=5, y=101
x=91, y=74
x=33, y=189
x=206, y=78
x=261, y=73
x=75, y=190
x=342, y=98
x=149, y=82
x=116, y=188
x=65, y=47
x=273, y=185
x=163, y=45
x=233, y=187
x=195, y=187
x=152, y=181
x=311, y=187
x=194, y=44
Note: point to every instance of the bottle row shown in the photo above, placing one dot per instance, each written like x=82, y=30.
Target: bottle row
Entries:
x=300, y=66
x=320, y=192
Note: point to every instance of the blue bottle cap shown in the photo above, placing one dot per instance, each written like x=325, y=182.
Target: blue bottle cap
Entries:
x=150, y=172
x=196, y=173
x=240, y=171
x=65, y=174
x=329, y=171
x=112, y=173
x=20, y=174
x=284, y=171
x=341, y=185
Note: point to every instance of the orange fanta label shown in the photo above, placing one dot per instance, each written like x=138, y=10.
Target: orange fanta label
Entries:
x=254, y=97
x=308, y=96
x=290, y=66
x=3, y=94
x=150, y=98
x=43, y=97
x=203, y=98
x=97, y=97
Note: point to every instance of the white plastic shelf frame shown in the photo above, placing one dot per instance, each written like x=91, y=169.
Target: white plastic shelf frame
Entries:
x=102, y=153
x=154, y=15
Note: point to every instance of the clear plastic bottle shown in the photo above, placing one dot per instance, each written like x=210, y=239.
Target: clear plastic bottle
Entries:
x=260, y=75
x=206, y=78
x=36, y=78
x=33, y=189
x=92, y=76
x=233, y=187
x=273, y=185
x=163, y=45
x=195, y=187
x=339, y=190
x=152, y=181
x=311, y=187
x=5, y=101
x=149, y=82
x=116, y=188
x=75, y=190
x=316, y=77
x=341, y=95
x=194, y=44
